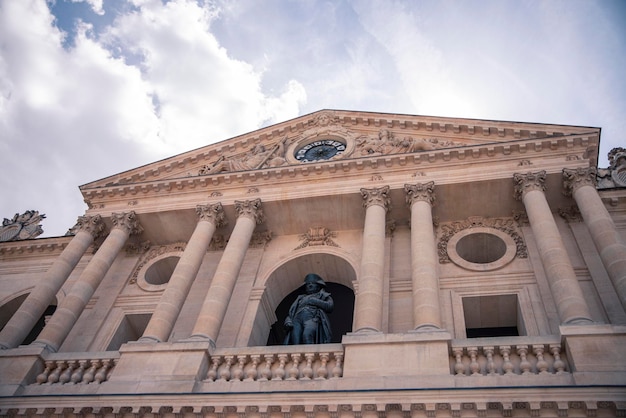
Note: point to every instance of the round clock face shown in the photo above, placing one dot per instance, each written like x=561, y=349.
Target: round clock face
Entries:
x=320, y=150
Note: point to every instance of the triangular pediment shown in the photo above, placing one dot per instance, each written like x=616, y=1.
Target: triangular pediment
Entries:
x=330, y=136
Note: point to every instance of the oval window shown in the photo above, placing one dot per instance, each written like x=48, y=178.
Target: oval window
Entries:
x=481, y=248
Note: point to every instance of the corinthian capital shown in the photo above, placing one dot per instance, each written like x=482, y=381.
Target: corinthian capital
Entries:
x=420, y=192
x=250, y=209
x=528, y=182
x=376, y=196
x=127, y=221
x=90, y=224
x=578, y=177
x=213, y=213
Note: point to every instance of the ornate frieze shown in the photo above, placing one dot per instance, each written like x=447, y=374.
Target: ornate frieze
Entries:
x=578, y=177
x=386, y=143
x=317, y=235
x=424, y=192
x=127, y=221
x=250, y=209
x=213, y=213
x=24, y=226
x=376, y=196
x=258, y=157
x=526, y=182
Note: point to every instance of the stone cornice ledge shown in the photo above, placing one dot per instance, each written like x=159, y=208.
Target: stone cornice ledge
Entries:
x=481, y=151
x=35, y=246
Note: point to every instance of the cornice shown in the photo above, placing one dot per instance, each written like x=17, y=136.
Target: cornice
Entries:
x=41, y=246
x=572, y=147
x=475, y=129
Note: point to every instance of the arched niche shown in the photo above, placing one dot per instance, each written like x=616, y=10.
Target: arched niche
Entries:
x=8, y=309
x=284, y=284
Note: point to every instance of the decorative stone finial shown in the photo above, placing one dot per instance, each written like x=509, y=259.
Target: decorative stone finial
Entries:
x=24, y=226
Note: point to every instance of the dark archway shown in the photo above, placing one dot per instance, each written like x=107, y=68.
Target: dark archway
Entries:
x=10, y=308
x=340, y=318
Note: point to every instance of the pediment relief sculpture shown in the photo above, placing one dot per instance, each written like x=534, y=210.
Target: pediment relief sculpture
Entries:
x=324, y=141
x=615, y=174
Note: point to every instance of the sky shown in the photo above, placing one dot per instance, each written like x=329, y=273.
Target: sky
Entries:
x=91, y=88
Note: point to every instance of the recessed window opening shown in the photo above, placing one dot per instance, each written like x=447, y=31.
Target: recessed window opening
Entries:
x=492, y=316
x=130, y=329
x=161, y=271
x=481, y=248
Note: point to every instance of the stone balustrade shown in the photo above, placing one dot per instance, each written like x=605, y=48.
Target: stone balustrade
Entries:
x=89, y=368
x=507, y=356
x=302, y=362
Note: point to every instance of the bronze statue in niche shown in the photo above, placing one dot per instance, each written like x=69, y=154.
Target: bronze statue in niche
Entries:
x=307, y=321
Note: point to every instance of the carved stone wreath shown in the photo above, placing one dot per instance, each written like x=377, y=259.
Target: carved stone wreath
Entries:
x=479, y=224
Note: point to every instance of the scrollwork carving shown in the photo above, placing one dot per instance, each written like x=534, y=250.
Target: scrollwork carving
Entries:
x=90, y=224
x=20, y=227
x=212, y=213
x=528, y=182
x=579, y=177
x=424, y=192
x=127, y=221
x=317, y=235
x=505, y=225
x=250, y=209
x=376, y=196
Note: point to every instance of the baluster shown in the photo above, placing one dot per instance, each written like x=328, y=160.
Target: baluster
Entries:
x=294, y=372
x=110, y=370
x=67, y=373
x=491, y=365
x=252, y=371
x=241, y=362
x=279, y=374
x=338, y=369
x=211, y=375
x=225, y=370
x=542, y=364
x=266, y=373
x=77, y=376
x=507, y=366
x=459, y=367
x=54, y=376
x=43, y=376
x=91, y=373
x=522, y=351
x=559, y=365
x=322, y=371
x=102, y=373
x=307, y=371
x=474, y=366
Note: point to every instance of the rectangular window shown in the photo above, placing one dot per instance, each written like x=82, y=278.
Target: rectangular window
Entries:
x=492, y=316
x=131, y=328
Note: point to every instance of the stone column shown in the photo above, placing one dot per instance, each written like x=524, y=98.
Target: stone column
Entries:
x=426, y=311
x=162, y=321
x=581, y=184
x=66, y=315
x=368, y=310
x=209, y=322
x=87, y=229
x=566, y=291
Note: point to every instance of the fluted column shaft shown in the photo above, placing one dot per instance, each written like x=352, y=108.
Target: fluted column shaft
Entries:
x=213, y=311
x=612, y=249
x=564, y=286
x=35, y=304
x=426, y=310
x=66, y=315
x=164, y=317
x=368, y=312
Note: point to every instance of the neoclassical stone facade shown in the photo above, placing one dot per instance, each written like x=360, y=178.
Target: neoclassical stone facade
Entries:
x=477, y=268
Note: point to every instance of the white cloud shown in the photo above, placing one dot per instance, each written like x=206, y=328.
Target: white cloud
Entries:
x=70, y=116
